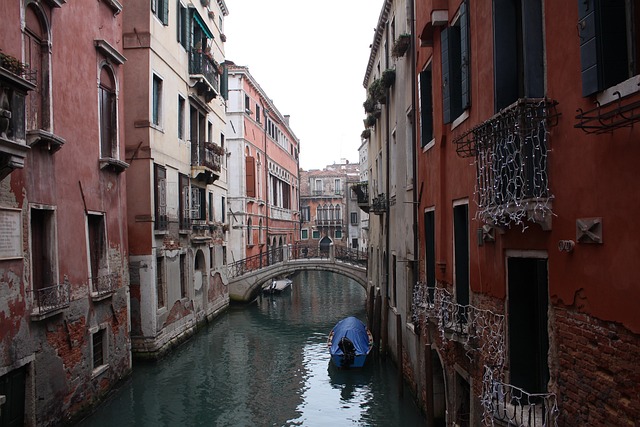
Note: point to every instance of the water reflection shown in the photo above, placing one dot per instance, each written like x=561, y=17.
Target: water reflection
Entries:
x=266, y=364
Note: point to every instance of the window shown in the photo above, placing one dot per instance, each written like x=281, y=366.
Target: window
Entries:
x=160, y=194
x=354, y=218
x=43, y=247
x=247, y=104
x=108, y=114
x=182, y=27
x=518, y=51
x=181, y=112
x=317, y=189
x=338, y=234
x=223, y=210
x=183, y=275
x=156, y=101
x=210, y=206
x=304, y=234
x=430, y=249
x=315, y=234
x=260, y=235
x=461, y=255
x=249, y=232
x=609, y=44
x=337, y=186
x=426, y=107
x=354, y=243
x=37, y=58
x=198, y=203
x=160, y=9
x=455, y=67
x=250, y=176
x=97, y=242
x=184, y=206
x=98, y=346
x=160, y=285
x=306, y=213
x=257, y=113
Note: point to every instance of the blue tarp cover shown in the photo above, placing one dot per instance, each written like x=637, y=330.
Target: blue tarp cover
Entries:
x=353, y=329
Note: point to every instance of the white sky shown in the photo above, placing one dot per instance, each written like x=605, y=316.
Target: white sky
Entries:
x=310, y=58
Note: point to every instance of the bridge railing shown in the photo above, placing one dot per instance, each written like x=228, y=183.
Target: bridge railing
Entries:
x=255, y=262
x=298, y=251
x=351, y=256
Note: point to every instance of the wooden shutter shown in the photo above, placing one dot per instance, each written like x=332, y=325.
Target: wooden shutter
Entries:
x=426, y=107
x=588, y=46
x=446, y=76
x=505, y=53
x=451, y=73
x=533, y=49
x=250, y=164
x=224, y=83
x=165, y=12
x=465, y=62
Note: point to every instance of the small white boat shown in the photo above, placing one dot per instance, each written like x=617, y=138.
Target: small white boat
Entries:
x=277, y=286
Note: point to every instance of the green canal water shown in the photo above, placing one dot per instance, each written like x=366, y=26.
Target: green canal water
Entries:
x=266, y=364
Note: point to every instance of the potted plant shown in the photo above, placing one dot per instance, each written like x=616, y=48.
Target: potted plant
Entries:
x=369, y=105
x=377, y=91
x=11, y=64
x=370, y=120
x=365, y=134
x=401, y=45
x=388, y=78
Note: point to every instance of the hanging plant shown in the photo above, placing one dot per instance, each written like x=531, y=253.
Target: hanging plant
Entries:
x=377, y=91
x=388, y=78
x=365, y=134
x=369, y=105
x=370, y=121
x=401, y=45
x=11, y=64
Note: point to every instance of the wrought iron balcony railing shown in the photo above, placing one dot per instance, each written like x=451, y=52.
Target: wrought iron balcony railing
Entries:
x=510, y=151
x=201, y=65
x=206, y=154
x=329, y=222
x=506, y=404
x=362, y=191
x=51, y=298
x=104, y=284
x=378, y=204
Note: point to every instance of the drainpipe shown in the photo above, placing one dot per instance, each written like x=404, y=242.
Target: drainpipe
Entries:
x=266, y=180
x=387, y=221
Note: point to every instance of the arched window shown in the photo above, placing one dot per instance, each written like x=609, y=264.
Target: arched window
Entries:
x=260, y=238
x=37, y=59
x=107, y=109
x=338, y=212
x=249, y=232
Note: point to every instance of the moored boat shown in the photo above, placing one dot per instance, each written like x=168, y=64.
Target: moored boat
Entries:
x=277, y=286
x=350, y=342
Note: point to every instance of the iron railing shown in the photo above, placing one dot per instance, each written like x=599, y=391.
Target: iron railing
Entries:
x=379, y=204
x=201, y=64
x=51, y=298
x=206, y=154
x=351, y=256
x=506, y=404
x=255, y=262
x=105, y=284
x=329, y=222
x=306, y=251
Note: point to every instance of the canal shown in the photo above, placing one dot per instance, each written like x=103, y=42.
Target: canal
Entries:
x=265, y=364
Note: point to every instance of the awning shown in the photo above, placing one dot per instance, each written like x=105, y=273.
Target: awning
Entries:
x=200, y=21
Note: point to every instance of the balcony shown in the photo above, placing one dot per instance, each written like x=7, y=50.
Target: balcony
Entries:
x=378, y=204
x=15, y=82
x=205, y=70
x=362, y=191
x=206, y=161
x=511, y=151
x=50, y=300
x=506, y=404
x=103, y=286
x=325, y=222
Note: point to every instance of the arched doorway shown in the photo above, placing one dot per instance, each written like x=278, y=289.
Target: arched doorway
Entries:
x=325, y=243
x=199, y=278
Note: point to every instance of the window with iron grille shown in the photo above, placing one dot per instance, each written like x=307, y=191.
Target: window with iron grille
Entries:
x=160, y=194
x=98, y=348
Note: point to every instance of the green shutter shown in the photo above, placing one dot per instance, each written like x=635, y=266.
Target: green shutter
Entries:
x=465, y=62
x=533, y=49
x=426, y=108
x=588, y=47
x=446, y=83
x=224, y=82
x=505, y=53
x=165, y=12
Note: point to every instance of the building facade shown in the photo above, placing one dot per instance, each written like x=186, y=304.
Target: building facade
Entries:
x=328, y=207
x=264, y=187
x=175, y=141
x=64, y=302
x=526, y=139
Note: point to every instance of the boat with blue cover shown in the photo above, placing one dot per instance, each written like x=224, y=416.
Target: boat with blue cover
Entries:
x=350, y=341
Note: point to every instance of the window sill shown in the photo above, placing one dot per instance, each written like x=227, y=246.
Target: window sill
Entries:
x=44, y=138
x=101, y=296
x=461, y=118
x=115, y=5
x=429, y=145
x=160, y=232
x=38, y=314
x=614, y=93
x=99, y=371
x=115, y=165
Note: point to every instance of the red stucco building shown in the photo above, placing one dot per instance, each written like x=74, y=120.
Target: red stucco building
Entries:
x=526, y=150
x=64, y=328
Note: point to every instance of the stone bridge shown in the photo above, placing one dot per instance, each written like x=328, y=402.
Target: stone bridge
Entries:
x=248, y=276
